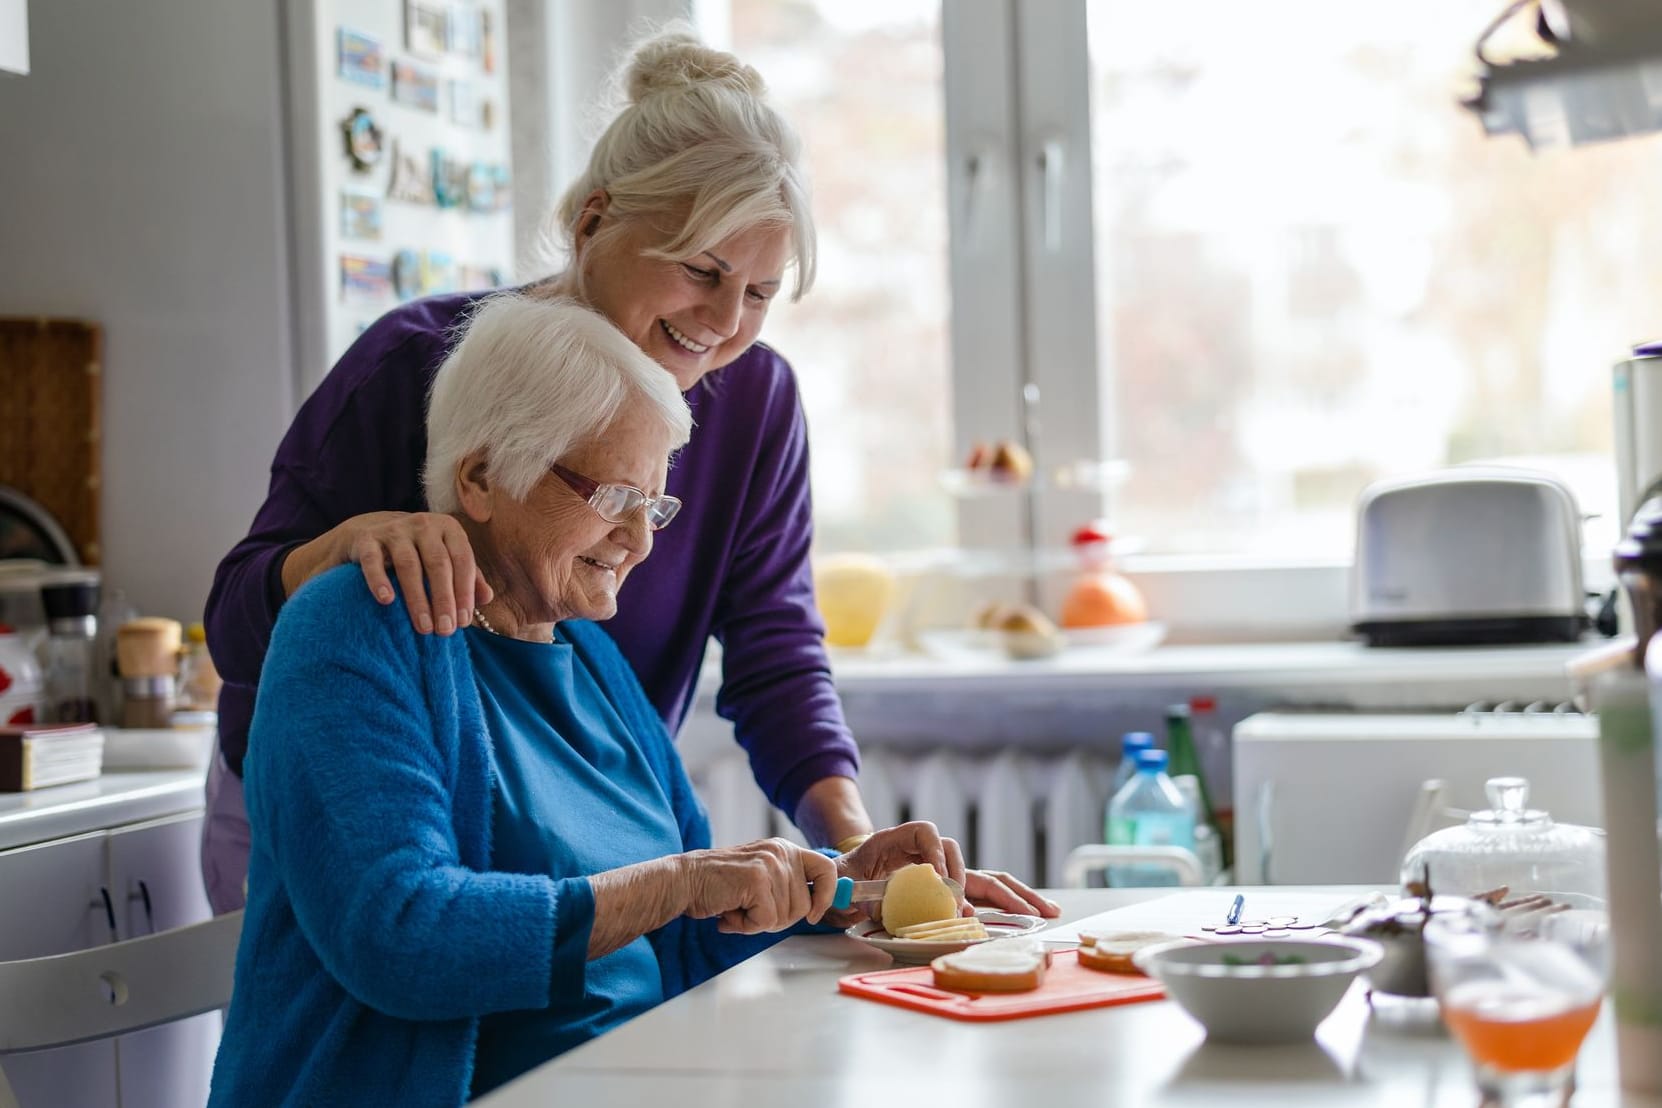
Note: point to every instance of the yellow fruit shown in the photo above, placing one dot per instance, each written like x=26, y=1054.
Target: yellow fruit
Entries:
x=852, y=592
x=916, y=894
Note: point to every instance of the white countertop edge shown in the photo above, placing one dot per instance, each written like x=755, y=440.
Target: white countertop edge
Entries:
x=112, y=800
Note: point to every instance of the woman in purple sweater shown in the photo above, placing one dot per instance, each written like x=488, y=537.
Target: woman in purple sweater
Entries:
x=692, y=208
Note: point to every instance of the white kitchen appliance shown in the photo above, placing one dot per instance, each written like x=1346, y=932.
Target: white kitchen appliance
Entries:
x=1330, y=798
x=1636, y=389
x=1468, y=554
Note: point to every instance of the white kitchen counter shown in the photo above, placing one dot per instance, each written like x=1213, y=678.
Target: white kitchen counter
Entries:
x=1085, y=697
x=112, y=800
x=774, y=1031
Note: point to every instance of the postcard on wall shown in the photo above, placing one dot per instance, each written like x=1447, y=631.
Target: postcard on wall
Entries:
x=425, y=27
x=487, y=43
x=466, y=30
x=416, y=85
x=360, y=215
x=360, y=58
x=411, y=180
x=364, y=278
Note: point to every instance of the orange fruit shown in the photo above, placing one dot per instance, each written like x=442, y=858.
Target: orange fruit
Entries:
x=1103, y=600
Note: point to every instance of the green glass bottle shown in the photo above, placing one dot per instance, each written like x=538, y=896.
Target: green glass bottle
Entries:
x=1180, y=745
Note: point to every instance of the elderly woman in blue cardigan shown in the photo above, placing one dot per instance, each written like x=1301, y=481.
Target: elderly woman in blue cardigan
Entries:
x=473, y=853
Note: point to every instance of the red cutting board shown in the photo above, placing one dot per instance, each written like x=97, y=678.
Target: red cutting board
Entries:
x=1067, y=987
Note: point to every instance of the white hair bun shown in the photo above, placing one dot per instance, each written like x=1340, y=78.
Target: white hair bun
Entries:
x=677, y=60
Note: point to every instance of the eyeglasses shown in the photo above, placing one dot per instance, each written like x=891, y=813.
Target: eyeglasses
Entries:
x=616, y=503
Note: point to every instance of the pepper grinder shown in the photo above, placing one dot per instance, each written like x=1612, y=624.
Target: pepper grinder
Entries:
x=147, y=654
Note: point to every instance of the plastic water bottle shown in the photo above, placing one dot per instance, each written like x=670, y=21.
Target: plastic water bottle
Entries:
x=1130, y=743
x=1149, y=811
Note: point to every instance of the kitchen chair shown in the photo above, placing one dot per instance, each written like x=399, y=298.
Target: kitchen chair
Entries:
x=65, y=999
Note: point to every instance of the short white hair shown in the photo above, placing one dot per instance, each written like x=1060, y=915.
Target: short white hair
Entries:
x=531, y=378
x=697, y=152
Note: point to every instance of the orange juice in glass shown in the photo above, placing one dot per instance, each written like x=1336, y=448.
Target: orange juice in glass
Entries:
x=1520, y=1003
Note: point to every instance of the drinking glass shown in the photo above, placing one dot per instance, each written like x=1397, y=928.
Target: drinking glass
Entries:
x=1520, y=995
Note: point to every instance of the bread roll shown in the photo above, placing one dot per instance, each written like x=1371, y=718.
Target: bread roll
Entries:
x=1005, y=966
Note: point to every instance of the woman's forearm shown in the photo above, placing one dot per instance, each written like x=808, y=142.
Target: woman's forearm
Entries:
x=308, y=560
x=633, y=900
x=832, y=810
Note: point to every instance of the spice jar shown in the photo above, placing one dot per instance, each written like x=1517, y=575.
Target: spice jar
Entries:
x=147, y=654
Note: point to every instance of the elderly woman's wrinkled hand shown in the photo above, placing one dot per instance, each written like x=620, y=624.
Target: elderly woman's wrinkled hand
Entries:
x=904, y=845
x=766, y=885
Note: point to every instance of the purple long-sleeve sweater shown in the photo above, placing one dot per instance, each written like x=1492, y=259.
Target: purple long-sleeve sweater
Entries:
x=734, y=564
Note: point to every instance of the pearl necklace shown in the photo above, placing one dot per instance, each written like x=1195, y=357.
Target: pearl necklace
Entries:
x=479, y=617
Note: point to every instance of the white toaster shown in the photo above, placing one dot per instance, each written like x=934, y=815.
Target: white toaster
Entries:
x=1471, y=554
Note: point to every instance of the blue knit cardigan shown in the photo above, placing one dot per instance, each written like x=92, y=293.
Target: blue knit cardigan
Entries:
x=376, y=934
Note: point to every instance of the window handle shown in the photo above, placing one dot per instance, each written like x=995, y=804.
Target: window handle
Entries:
x=1052, y=169
x=978, y=164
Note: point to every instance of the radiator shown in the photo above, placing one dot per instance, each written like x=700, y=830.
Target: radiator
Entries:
x=1020, y=811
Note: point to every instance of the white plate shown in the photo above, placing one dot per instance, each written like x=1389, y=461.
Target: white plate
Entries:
x=975, y=644
x=916, y=952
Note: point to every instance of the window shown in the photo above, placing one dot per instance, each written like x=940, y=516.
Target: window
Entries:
x=861, y=81
x=1313, y=269
x=1263, y=258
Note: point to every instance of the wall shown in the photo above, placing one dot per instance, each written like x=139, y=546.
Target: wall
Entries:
x=141, y=188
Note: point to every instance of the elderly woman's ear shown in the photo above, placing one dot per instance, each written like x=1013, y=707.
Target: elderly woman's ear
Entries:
x=474, y=488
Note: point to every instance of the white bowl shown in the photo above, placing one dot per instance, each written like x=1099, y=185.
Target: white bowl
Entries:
x=1238, y=999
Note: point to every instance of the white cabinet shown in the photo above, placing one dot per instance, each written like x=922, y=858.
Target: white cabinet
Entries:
x=169, y=1066
x=53, y=900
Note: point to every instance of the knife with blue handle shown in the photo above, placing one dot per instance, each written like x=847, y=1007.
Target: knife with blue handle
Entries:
x=851, y=892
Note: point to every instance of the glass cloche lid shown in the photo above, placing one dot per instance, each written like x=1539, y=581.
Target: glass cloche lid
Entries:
x=1514, y=847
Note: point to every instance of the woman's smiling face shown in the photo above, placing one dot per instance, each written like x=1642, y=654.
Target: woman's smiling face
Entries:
x=551, y=556
x=690, y=315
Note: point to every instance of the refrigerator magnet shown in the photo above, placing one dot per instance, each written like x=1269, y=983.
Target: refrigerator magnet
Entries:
x=363, y=139
x=465, y=30
x=481, y=188
x=416, y=85
x=438, y=272
x=360, y=215
x=410, y=181
x=364, y=278
x=406, y=274
x=450, y=181
x=425, y=28
x=466, y=107
x=360, y=59
x=487, y=41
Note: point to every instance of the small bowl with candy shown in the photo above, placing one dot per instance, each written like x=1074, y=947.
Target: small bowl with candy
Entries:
x=1269, y=991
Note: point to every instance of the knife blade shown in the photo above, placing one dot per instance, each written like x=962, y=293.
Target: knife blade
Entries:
x=850, y=891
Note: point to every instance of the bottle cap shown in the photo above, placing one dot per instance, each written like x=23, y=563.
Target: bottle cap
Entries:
x=1151, y=759
x=70, y=597
x=1202, y=704
x=1133, y=741
x=1177, y=711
